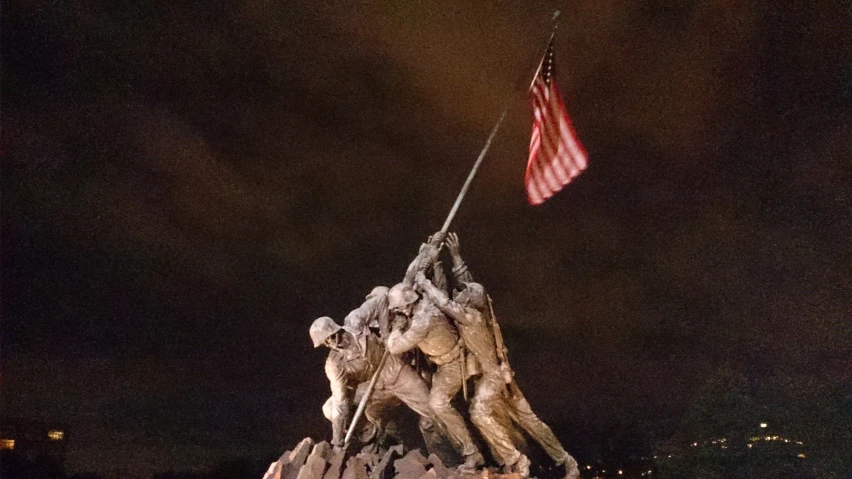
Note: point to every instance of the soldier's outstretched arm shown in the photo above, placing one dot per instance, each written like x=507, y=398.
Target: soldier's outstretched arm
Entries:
x=439, y=277
x=340, y=400
x=460, y=271
x=361, y=317
x=400, y=342
x=427, y=255
x=420, y=263
x=440, y=299
x=384, y=327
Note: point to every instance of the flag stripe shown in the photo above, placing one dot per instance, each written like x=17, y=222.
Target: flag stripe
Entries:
x=555, y=149
x=578, y=152
x=559, y=131
x=556, y=155
x=533, y=182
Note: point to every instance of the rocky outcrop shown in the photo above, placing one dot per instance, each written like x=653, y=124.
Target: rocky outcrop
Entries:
x=319, y=461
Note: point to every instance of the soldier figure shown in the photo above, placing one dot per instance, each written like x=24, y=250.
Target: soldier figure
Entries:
x=472, y=297
x=372, y=314
x=352, y=360
x=487, y=407
x=431, y=331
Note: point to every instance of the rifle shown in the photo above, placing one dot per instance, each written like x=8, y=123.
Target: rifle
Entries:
x=502, y=351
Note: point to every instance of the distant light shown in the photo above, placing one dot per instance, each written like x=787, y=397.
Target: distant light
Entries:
x=749, y=445
x=801, y=455
x=763, y=424
x=55, y=435
x=7, y=444
x=649, y=471
x=694, y=443
x=588, y=467
x=620, y=472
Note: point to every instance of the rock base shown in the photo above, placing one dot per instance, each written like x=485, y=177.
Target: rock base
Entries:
x=309, y=460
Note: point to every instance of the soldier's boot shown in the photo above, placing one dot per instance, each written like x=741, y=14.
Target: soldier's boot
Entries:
x=521, y=467
x=572, y=471
x=472, y=462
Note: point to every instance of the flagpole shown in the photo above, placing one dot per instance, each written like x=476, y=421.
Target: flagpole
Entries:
x=541, y=62
x=444, y=229
x=482, y=153
x=473, y=171
x=555, y=23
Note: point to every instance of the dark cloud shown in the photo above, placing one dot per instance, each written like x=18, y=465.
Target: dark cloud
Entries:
x=186, y=186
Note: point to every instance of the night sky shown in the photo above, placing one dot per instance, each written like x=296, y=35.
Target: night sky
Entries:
x=187, y=185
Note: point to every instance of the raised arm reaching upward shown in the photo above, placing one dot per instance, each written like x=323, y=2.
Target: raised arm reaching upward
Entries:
x=460, y=271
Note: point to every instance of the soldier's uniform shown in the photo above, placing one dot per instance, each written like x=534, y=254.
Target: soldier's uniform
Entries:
x=430, y=331
x=373, y=313
x=354, y=362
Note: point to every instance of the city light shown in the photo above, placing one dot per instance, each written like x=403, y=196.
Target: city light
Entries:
x=763, y=424
x=766, y=440
x=774, y=438
x=7, y=444
x=55, y=435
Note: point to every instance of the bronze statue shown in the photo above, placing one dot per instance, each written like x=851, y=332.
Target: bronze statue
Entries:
x=460, y=337
x=408, y=321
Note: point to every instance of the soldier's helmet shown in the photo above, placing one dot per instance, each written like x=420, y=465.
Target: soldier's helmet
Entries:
x=473, y=294
x=400, y=296
x=378, y=291
x=322, y=328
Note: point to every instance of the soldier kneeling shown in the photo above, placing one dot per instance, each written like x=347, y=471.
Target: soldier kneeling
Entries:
x=352, y=361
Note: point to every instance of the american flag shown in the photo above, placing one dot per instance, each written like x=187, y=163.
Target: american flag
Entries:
x=556, y=155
